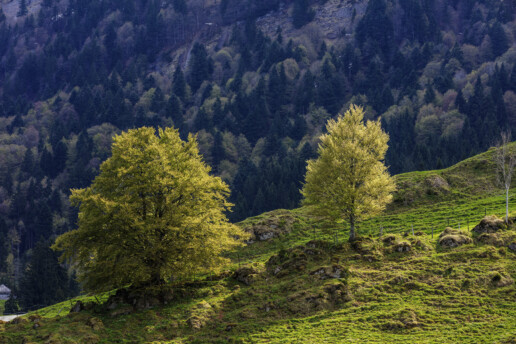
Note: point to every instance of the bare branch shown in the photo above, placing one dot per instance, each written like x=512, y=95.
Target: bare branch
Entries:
x=505, y=161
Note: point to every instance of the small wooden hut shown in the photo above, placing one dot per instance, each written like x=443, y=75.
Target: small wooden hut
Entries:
x=4, y=292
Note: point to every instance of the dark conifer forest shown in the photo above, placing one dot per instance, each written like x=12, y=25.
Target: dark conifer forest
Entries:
x=255, y=80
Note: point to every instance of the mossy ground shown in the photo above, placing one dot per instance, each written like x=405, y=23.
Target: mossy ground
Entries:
x=396, y=288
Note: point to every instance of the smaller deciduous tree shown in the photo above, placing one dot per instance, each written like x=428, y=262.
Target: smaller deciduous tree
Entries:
x=348, y=181
x=505, y=160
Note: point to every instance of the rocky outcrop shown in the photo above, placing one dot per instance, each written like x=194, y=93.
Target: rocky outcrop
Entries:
x=270, y=227
x=450, y=238
x=245, y=275
x=296, y=258
x=237, y=10
x=138, y=299
x=328, y=272
x=200, y=315
x=490, y=224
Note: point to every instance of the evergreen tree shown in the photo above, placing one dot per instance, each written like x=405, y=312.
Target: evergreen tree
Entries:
x=376, y=26
x=217, y=152
x=22, y=9
x=59, y=158
x=27, y=165
x=174, y=110
x=44, y=281
x=429, y=94
x=499, y=41
x=201, y=66
x=180, y=6
x=257, y=123
x=11, y=306
x=302, y=13
x=46, y=162
x=179, y=84
x=305, y=93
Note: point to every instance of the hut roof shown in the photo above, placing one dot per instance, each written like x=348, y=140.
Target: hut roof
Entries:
x=4, y=289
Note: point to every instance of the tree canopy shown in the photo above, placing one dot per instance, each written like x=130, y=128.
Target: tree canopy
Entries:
x=349, y=181
x=154, y=213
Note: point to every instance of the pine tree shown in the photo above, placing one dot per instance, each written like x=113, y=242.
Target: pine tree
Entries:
x=499, y=41
x=44, y=281
x=180, y=6
x=217, y=153
x=201, y=66
x=302, y=13
x=23, y=8
x=179, y=84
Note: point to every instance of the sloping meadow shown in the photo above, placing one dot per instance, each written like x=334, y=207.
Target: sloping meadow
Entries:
x=432, y=270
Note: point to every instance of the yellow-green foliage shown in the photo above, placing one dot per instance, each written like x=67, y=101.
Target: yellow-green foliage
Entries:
x=153, y=213
x=348, y=181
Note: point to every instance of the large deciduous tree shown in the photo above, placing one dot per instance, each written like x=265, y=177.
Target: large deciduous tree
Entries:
x=154, y=213
x=349, y=181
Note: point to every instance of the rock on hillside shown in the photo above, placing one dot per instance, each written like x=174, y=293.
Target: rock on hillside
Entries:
x=490, y=224
x=450, y=238
x=279, y=223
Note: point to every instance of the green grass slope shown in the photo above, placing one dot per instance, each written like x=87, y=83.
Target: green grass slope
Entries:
x=297, y=286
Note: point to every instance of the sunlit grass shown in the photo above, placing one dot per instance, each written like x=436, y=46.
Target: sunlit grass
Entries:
x=427, y=295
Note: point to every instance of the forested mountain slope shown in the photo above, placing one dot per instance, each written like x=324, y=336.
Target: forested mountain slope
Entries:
x=256, y=80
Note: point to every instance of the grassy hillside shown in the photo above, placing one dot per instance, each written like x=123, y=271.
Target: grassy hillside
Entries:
x=297, y=286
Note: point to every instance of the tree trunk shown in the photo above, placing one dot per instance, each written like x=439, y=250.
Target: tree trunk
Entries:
x=351, y=228
x=156, y=279
x=507, y=206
